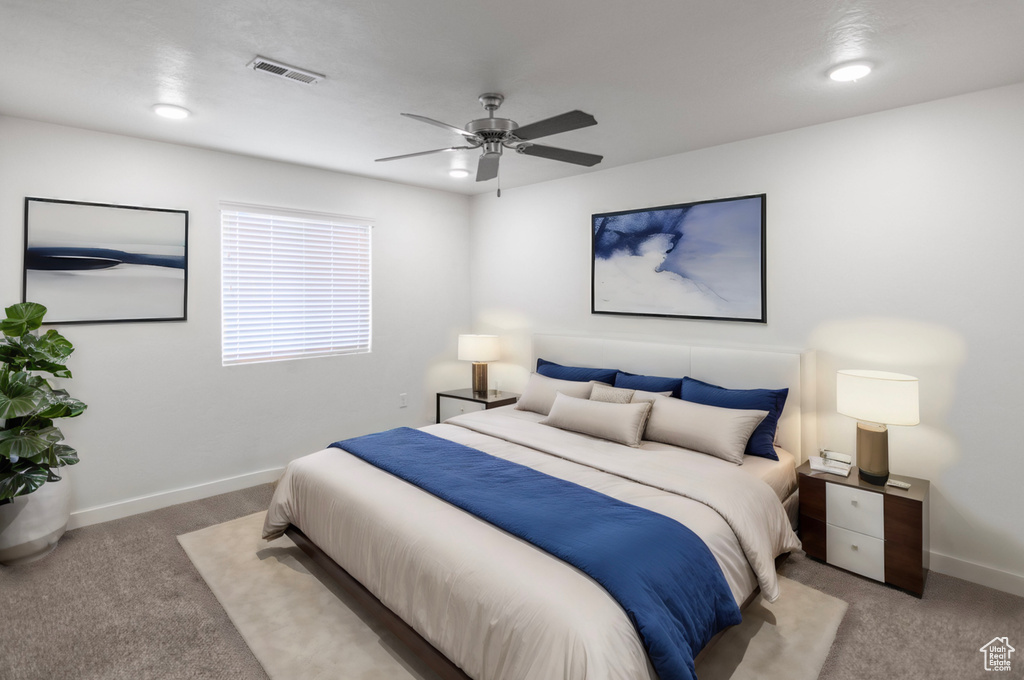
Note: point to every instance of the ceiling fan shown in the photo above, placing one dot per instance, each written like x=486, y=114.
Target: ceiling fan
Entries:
x=493, y=135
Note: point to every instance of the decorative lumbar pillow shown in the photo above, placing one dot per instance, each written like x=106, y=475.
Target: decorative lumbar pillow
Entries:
x=578, y=373
x=622, y=423
x=641, y=395
x=540, y=391
x=762, y=441
x=720, y=432
x=648, y=383
x=612, y=395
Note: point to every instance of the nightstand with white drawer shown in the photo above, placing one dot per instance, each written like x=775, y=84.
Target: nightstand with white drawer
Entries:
x=876, y=531
x=457, y=402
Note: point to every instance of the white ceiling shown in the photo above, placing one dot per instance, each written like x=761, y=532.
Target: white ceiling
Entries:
x=661, y=76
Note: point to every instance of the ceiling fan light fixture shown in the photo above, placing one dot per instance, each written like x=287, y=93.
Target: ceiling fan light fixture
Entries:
x=492, y=135
x=171, y=111
x=850, y=71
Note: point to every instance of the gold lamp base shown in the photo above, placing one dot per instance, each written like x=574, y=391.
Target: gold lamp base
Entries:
x=873, y=453
x=479, y=377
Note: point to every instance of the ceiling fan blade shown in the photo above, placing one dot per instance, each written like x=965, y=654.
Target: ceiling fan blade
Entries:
x=487, y=168
x=446, y=126
x=424, y=153
x=552, y=126
x=564, y=155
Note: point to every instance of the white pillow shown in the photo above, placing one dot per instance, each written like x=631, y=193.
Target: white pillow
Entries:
x=622, y=423
x=611, y=395
x=540, y=391
x=720, y=432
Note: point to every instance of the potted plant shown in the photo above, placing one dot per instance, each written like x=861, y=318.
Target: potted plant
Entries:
x=33, y=505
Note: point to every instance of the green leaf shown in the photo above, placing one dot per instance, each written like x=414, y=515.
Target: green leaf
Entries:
x=19, y=396
x=61, y=405
x=28, y=444
x=57, y=370
x=12, y=354
x=22, y=478
x=55, y=346
x=37, y=381
x=49, y=434
x=22, y=318
x=48, y=352
x=24, y=378
x=57, y=456
x=65, y=455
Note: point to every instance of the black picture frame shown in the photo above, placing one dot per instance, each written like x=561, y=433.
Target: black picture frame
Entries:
x=704, y=260
x=92, y=263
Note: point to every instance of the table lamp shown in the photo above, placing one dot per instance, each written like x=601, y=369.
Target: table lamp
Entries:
x=479, y=349
x=876, y=399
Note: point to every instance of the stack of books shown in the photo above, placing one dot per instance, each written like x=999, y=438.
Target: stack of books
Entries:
x=832, y=462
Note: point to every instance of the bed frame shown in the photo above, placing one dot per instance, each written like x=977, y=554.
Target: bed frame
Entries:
x=416, y=643
x=734, y=368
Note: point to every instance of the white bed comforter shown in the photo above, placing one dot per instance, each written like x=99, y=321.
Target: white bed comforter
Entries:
x=497, y=606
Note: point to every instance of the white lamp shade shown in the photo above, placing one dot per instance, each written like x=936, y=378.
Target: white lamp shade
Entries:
x=878, y=397
x=479, y=348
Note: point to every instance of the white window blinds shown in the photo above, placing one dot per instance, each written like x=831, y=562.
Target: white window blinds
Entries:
x=293, y=284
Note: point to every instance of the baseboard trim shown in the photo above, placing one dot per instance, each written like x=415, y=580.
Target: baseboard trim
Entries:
x=978, y=573
x=134, y=506
x=944, y=564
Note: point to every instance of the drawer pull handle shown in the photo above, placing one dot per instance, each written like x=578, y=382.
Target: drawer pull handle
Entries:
x=853, y=547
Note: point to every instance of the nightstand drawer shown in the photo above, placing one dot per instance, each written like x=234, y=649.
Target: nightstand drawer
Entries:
x=858, y=553
x=449, y=407
x=855, y=509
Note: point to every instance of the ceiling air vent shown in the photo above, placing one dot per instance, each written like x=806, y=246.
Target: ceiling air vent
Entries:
x=276, y=68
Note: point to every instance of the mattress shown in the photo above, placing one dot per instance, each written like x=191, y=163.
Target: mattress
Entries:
x=497, y=606
x=779, y=474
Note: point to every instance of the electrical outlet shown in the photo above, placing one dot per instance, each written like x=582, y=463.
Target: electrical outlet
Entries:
x=403, y=400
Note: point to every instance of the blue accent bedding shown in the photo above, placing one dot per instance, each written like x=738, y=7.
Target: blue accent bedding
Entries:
x=662, y=574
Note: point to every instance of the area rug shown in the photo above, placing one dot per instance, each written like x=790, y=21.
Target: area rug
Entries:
x=301, y=626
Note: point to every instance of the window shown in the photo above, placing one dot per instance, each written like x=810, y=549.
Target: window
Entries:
x=293, y=285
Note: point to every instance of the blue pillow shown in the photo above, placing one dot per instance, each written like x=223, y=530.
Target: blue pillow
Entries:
x=762, y=440
x=577, y=373
x=648, y=383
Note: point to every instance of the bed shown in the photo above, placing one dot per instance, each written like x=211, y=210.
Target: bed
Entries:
x=490, y=606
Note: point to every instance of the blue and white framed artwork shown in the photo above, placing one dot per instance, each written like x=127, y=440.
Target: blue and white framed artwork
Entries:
x=101, y=263
x=701, y=260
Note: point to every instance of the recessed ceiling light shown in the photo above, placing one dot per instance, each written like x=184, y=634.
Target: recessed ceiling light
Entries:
x=171, y=111
x=458, y=172
x=854, y=70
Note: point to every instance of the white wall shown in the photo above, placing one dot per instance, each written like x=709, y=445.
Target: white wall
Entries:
x=894, y=242
x=164, y=415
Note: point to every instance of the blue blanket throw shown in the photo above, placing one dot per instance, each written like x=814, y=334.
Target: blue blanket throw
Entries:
x=659, y=571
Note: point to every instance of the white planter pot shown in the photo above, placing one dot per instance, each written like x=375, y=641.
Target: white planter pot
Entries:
x=31, y=526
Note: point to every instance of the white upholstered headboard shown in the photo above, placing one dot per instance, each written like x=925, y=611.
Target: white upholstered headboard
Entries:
x=728, y=367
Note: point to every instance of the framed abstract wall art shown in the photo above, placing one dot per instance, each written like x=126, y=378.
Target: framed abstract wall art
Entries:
x=701, y=260
x=100, y=263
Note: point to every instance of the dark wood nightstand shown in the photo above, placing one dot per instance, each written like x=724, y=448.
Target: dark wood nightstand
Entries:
x=455, y=402
x=877, y=531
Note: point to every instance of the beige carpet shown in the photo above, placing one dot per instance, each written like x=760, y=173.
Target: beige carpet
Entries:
x=302, y=627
